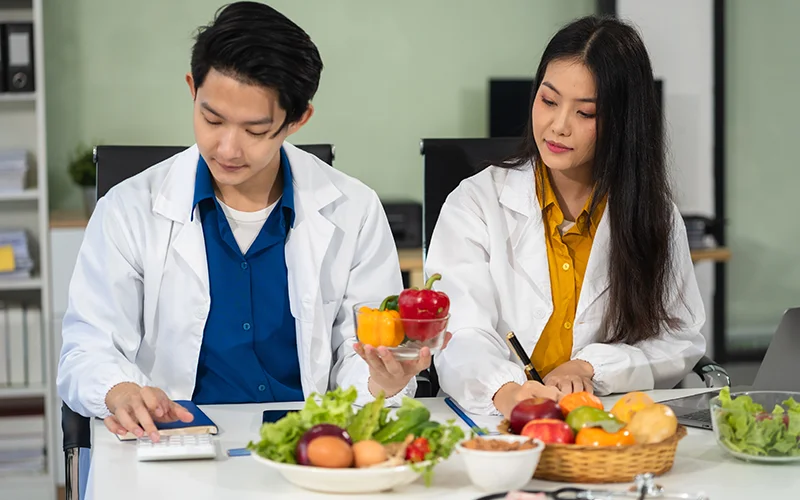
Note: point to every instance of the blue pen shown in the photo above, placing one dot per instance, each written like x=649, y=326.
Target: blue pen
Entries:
x=463, y=416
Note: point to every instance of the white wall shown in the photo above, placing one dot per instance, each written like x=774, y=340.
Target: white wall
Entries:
x=679, y=38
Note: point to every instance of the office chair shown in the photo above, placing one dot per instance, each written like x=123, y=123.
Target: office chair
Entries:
x=449, y=161
x=114, y=164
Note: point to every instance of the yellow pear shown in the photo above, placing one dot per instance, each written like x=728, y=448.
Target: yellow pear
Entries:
x=630, y=404
x=653, y=424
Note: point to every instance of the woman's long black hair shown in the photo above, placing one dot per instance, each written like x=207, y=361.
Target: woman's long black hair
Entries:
x=629, y=166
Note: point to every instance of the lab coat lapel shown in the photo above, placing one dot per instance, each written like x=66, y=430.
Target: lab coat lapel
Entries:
x=526, y=230
x=596, y=280
x=174, y=201
x=306, y=250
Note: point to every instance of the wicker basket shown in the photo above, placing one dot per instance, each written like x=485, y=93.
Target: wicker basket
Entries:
x=590, y=464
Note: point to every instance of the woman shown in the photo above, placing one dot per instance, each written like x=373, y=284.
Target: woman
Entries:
x=573, y=244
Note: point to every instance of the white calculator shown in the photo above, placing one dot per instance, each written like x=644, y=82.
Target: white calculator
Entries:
x=185, y=447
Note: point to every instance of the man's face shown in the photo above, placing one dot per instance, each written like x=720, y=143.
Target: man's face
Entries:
x=234, y=127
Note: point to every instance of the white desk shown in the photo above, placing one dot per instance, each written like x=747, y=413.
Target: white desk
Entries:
x=699, y=466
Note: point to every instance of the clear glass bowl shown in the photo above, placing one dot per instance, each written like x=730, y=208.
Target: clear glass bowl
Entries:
x=755, y=431
x=402, y=337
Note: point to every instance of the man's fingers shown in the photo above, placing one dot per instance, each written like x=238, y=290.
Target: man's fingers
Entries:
x=152, y=402
x=374, y=361
x=447, y=337
x=126, y=419
x=392, y=366
x=359, y=350
x=180, y=412
x=424, y=360
x=113, y=425
x=142, y=414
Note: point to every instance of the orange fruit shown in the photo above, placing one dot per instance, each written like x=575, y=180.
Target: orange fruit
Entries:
x=595, y=436
x=630, y=404
x=578, y=399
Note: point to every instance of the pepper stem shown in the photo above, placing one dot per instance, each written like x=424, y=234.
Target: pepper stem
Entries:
x=429, y=283
x=386, y=302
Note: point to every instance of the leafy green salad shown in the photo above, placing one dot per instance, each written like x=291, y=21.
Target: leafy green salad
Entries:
x=746, y=427
x=283, y=440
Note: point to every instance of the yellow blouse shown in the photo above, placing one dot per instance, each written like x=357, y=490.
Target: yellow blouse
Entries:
x=567, y=256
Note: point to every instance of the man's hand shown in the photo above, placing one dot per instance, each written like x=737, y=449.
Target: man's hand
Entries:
x=389, y=375
x=135, y=408
x=507, y=397
x=572, y=376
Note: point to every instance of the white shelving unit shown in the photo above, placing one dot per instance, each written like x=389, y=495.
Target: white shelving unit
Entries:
x=22, y=125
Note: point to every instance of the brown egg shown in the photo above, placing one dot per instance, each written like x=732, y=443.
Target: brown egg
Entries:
x=369, y=453
x=331, y=452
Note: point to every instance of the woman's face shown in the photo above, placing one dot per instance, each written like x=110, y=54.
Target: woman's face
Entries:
x=564, y=124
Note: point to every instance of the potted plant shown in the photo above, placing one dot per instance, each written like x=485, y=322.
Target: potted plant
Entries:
x=83, y=173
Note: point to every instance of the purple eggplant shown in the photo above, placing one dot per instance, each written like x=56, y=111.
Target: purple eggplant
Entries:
x=301, y=452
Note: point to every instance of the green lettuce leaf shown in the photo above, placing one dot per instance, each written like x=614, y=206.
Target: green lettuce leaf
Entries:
x=744, y=426
x=279, y=439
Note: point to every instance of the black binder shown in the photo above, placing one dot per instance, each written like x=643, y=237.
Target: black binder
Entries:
x=17, y=48
x=2, y=57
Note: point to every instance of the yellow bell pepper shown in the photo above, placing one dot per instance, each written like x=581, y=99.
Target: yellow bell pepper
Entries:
x=380, y=327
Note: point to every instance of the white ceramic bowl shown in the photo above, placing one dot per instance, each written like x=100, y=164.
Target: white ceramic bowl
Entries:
x=501, y=470
x=349, y=481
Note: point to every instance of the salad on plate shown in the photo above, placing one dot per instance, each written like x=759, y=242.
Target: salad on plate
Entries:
x=329, y=432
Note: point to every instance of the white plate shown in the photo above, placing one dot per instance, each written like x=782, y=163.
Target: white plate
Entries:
x=325, y=480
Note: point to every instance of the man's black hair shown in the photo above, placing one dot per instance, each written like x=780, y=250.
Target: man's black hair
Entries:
x=258, y=45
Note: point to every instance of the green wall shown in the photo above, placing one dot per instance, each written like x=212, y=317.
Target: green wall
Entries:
x=763, y=175
x=394, y=72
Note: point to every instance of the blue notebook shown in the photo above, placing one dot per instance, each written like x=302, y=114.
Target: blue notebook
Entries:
x=200, y=425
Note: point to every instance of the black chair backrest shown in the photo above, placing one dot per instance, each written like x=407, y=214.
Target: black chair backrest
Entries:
x=448, y=162
x=114, y=164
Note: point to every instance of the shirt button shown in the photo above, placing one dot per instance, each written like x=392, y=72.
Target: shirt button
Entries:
x=567, y=325
x=262, y=387
x=244, y=265
x=565, y=266
x=539, y=314
x=246, y=326
x=200, y=313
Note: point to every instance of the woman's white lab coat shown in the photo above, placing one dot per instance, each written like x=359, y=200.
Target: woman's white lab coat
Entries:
x=139, y=296
x=489, y=246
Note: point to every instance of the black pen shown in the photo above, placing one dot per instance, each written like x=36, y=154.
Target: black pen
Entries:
x=530, y=371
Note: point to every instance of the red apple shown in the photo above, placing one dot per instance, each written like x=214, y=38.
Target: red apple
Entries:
x=549, y=431
x=533, y=409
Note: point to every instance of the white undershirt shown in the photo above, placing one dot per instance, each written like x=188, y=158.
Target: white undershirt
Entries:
x=246, y=225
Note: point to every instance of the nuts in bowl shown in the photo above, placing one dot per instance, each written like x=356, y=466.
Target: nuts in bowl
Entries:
x=505, y=462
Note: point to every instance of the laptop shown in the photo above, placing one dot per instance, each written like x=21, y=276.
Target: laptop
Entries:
x=778, y=372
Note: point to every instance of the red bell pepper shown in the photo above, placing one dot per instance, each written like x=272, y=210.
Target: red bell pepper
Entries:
x=425, y=304
x=417, y=450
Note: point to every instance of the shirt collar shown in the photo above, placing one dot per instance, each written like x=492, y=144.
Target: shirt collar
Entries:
x=548, y=199
x=204, y=187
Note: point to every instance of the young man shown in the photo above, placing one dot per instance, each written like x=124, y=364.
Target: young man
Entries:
x=228, y=273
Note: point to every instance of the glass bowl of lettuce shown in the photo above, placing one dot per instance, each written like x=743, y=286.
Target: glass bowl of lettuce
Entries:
x=758, y=426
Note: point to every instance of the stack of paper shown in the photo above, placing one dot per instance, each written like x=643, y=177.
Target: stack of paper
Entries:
x=22, y=445
x=13, y=170
x=15, y=257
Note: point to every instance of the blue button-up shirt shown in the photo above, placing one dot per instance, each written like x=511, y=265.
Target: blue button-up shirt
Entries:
x=249, y=350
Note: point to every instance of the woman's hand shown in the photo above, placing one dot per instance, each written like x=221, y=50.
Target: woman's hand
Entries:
x=389, y=375
x=507, y=397
x=572, y=376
